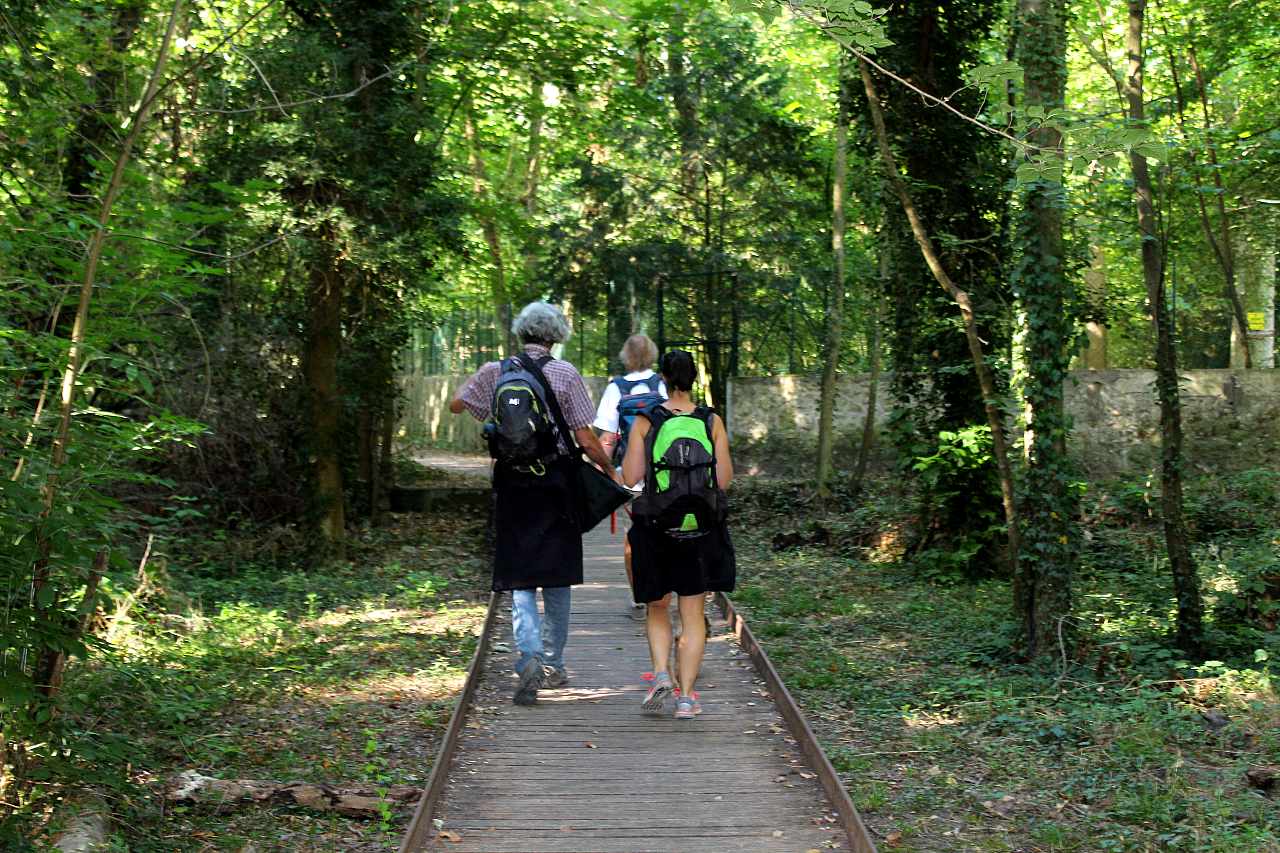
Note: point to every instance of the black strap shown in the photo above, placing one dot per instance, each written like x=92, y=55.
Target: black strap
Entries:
x=534, y=366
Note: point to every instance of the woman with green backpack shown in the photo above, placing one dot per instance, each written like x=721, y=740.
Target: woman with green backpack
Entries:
x=679, y=539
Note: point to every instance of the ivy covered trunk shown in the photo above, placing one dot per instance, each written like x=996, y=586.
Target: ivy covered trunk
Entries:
x=1049, y=555
x=1186, y=581
x=957, y=176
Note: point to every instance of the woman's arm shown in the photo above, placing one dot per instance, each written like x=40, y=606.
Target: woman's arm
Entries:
x=633, y=462
x=724, y=463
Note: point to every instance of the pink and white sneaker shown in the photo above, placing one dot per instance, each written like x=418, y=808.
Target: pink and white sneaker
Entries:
x=687, y=707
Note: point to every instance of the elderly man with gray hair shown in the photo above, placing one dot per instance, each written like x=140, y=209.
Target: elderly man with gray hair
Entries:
x=538, y=542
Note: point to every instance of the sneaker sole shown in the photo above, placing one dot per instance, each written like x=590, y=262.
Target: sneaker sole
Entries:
x=655, y=701
x=530, y=682
x=686, y=715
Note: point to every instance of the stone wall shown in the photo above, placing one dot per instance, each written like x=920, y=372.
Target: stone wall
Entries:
x=427, y=421
x=1231, y=417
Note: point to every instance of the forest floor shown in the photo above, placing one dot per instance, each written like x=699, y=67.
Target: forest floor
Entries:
x=244, y=665
x=238, y=662
x=948, y=743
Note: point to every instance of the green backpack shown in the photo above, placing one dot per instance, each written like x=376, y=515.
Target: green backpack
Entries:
x=681, y=497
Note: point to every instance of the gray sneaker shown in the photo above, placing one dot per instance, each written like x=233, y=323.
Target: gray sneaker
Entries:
x=531, y=678
x=656, y=698
x=554, y=676
x=639, y=612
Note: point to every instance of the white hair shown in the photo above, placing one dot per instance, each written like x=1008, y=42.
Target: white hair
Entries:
x=540, y=322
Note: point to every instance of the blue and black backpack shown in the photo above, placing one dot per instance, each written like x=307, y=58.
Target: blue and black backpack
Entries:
x=632, y=406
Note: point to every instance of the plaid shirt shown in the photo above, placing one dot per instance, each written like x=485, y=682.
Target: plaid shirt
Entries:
x=566, y=384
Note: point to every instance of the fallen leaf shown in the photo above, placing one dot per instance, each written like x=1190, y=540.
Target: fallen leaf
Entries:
x=893, y=839
x=777, y=833
x=450, y=836
x=590, y=745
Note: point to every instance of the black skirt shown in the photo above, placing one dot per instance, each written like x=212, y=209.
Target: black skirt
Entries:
x=660, y=564
x=536, y=537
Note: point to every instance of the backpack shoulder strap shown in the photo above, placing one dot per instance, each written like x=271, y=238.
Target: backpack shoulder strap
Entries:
x=654, y=382
x=704, y=414
x=624, y=387
x=658, y=415
x=534, y=366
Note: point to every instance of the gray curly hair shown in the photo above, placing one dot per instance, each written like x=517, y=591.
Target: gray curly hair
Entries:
x=541, y=323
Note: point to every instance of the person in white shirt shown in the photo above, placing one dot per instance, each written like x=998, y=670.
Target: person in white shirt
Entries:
x=638, y=356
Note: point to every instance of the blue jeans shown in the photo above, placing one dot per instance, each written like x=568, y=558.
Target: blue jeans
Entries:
x=540, y=635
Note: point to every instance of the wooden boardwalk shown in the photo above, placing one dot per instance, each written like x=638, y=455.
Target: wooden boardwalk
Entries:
x=584, y=771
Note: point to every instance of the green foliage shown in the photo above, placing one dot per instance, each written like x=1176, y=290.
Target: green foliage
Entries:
x=959, y=467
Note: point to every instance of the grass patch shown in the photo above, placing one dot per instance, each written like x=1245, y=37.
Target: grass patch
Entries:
x=947, y=743
x=259, y=668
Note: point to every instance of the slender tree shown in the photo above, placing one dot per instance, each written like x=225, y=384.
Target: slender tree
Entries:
x=1186, y=581
x=835, y=306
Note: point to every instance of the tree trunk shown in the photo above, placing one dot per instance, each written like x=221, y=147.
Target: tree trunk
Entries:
x=366, y=448
x=384, y=472
x=835, y=307
x=687, y=129
x=999, y=445
x=1094, y=354
x=483, y=197
x=53, y=664
x=873, y=381
x=1256, y=265
x=320, y=359
x=94, y=128
x=1186, y=581
x=532, y=173
x=533, y=155
x=1049, y=557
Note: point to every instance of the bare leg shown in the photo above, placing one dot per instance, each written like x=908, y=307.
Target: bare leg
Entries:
x=658, y=629
x=693, y=640
x=626, y=561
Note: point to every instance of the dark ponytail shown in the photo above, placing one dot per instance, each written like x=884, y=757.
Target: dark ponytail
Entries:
x=678, y=370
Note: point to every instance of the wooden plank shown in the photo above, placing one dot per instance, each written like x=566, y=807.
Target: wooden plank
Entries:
x=524, y=780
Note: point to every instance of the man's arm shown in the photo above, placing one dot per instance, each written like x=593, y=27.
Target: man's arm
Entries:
x=476, y=393
x=608, y=440
x=595, y=452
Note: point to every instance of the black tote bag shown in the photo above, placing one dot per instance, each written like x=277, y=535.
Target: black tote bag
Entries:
x=597, y=495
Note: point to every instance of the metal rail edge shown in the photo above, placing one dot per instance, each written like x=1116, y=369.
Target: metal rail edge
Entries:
x=420, y=833
x=859, y=837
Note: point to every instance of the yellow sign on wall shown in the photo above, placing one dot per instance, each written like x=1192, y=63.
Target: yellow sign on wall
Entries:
x=1257, y=321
